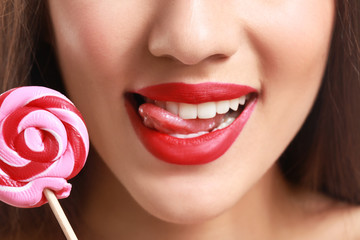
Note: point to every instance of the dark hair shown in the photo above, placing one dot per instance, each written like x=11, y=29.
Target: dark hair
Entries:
x=325, y=154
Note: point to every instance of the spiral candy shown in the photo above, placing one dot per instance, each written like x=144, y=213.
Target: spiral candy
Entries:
x=43, y=143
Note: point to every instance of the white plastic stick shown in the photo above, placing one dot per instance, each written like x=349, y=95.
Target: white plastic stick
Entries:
x=60, y=215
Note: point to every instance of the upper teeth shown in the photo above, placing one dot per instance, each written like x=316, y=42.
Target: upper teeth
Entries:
x=203, y=110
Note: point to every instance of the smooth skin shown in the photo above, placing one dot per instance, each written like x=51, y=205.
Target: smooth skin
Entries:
x=106, y=48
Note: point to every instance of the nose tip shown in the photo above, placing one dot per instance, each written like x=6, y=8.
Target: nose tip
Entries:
x=191, y=33
x=189, y=50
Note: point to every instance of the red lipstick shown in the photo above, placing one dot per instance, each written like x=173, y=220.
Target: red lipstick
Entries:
x=195, y=93
x=197, y=150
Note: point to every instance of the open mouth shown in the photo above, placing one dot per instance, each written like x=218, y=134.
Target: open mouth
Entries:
x=184, y=120
x=190, y=124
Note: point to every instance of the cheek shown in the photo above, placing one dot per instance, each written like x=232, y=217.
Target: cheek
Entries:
x=293, y=53
x=87, y=41
x=95, y=47
x=98, y=39
x=296, y=46
x=292, y=56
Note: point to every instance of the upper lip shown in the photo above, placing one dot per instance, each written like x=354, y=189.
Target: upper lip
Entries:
x=194, y=93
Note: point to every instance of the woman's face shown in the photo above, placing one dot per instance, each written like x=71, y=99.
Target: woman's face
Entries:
x=275, y=50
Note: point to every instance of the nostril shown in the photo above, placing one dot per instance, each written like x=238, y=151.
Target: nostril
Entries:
x=188, y=53
x=179, y=51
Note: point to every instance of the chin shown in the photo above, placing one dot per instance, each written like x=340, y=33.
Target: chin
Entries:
x=187, y=212
x=183, y=202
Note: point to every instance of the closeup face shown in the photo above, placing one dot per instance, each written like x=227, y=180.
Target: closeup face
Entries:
x=128, y=64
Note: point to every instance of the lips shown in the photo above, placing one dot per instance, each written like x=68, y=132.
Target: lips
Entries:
x=195, y=93
x=202, y=148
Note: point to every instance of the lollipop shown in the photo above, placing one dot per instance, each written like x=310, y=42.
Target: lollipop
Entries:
x=43, y=143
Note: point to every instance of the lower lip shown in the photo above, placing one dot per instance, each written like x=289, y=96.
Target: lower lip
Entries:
x=192, y=151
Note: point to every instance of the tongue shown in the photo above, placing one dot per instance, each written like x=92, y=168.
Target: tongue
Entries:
x=166, y=122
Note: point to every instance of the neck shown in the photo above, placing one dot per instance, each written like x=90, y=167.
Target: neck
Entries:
x=107, y=210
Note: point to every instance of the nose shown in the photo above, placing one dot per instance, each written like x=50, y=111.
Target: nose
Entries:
x=192, y=31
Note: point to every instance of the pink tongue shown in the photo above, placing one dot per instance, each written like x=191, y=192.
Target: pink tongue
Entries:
x=166, y=122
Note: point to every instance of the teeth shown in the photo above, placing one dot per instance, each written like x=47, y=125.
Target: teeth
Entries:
x=242, y=100
x=203, y=110
x=191, y=135
x=234, y=104
x=222, y=106
x=187, y=111
x=172, y=107
x=228, y=120
x=160, y=104
x=206, y=110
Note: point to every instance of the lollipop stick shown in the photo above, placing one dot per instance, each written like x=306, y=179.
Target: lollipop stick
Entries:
x=60, y=215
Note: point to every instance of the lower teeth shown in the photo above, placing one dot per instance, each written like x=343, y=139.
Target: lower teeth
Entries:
x=191, y=135
x=228, y=119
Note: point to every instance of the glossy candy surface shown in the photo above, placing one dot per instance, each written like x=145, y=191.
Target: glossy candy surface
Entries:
x=43, y=143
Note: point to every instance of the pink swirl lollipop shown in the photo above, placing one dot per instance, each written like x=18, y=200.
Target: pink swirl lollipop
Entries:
x=43, y=143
